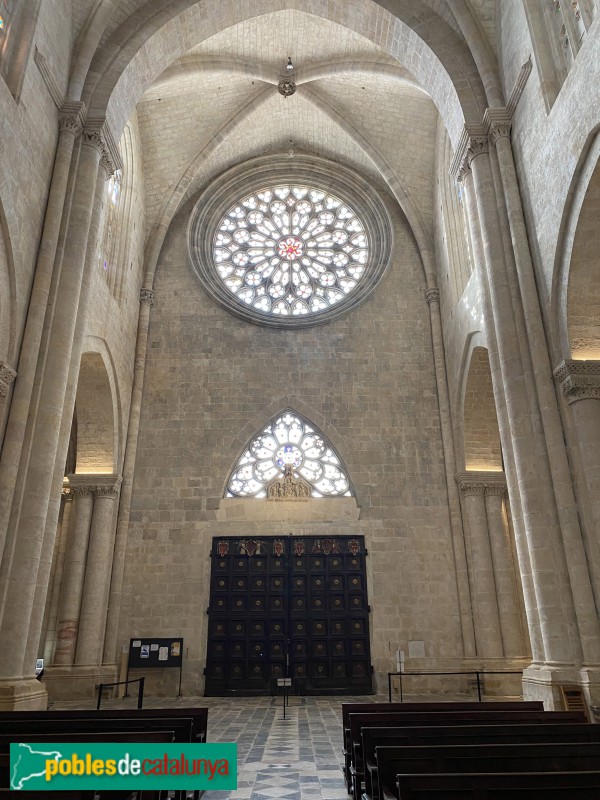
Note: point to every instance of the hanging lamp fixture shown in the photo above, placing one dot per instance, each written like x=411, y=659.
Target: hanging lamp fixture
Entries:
x=287, y=85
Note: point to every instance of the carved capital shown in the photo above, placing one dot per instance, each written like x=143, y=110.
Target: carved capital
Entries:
x=481, y=483
x=473, y=142
x=498, y=123
x=7, y=376
x=67, y=493
x=71, y=118
x=108, y=489
x=94, y=485
x=147, y=296
x=468, y=487
x=478, y=145
x=80, y=491
x=97, y=134
x=432, y=295
x=500, y=130
x=579, y=380
x=93, y=138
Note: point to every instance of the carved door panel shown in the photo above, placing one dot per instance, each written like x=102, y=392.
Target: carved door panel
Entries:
x=288, y=607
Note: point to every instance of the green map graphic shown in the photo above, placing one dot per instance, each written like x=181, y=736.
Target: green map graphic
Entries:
x=30, y=763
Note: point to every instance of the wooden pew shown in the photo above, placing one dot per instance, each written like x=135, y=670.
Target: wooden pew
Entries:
x=501, y=786
x=480, y=758
x=182, y=728
x=466, y=735
x=427, y=719
x=352, y=708
x=199, y=716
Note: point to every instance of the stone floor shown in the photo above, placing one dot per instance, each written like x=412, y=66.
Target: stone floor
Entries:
x=296, y=758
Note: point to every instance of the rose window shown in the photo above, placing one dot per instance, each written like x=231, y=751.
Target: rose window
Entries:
x=288, y=441
x=291, y=250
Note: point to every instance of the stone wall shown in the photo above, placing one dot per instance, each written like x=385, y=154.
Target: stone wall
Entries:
x=366, y=380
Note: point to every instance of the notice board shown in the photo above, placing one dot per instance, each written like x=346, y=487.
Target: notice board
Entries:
x=154, y=652
x=146, y=653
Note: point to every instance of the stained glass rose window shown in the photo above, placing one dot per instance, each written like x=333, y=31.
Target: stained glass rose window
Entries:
x=291, y=250
x=289, y=243
x=288, y=440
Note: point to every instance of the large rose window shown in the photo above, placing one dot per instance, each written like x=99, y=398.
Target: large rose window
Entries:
x=288, y=243
x=291, y=250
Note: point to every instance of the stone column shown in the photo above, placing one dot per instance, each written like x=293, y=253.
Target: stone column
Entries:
x=580, y=385
x=498, y=120
x=458, y=539
x=481, y=569
x=47, y=549
x=525, y=568
x=94, y=602
x=116, y=585
x=28, y=515
x=550, y=578
x=504, y=568
x=74, y=570
x=7, y=376
x=56, y=577
x=71, y=124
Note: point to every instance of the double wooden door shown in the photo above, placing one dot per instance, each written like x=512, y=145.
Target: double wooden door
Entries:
x=288, y=607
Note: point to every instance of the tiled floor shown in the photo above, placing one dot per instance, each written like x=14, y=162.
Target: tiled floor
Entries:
x=297, y=758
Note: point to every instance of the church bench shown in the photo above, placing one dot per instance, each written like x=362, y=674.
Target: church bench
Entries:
x=181, y=728
x=501, y=786
x=352, y=708
x=522, y=757
x=199, y=716
x=450, y=736
x=397, y=719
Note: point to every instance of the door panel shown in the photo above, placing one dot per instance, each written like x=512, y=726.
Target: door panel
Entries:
x=288, y=607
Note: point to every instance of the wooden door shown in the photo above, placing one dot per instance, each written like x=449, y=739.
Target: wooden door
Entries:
x=288, y=607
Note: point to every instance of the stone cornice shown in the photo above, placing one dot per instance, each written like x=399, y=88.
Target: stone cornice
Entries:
x=71, y=117
x=481, y=483
x=96, y=484
x=7, y=376
x=579, y=380
x=147, y=296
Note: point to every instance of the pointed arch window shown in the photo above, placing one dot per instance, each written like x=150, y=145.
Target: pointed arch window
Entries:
x=289, y=440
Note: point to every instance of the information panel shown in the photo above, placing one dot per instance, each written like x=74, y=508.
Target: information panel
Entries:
x=154, y=652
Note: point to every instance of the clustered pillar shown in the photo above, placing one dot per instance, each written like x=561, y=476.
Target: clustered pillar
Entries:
x=556, y=579
x=29, y=481
x=494, y=591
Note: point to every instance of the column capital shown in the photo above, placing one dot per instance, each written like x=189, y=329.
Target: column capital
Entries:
x=473, y=142
x=97, y=133
x=67, y=492
x=498, y=123
x=71, y=117
x=579, y=380
x=110, y=489
x=481, y=483
x=432, y=295
x=7, y=376
x=95, y=484
x=147, y=296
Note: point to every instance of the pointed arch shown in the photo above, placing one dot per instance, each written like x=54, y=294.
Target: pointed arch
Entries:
x=288, y=438
x=481, y=432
